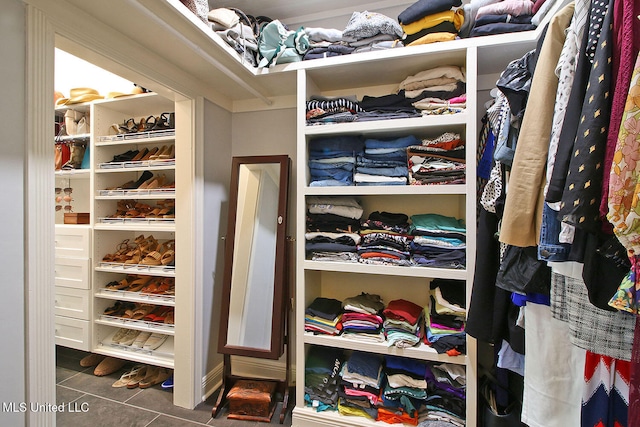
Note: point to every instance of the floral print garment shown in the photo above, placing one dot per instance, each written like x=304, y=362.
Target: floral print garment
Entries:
x=624, y=190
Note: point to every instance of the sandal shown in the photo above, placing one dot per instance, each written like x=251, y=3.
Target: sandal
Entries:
x=128, y=376
x=142, y=311
x=139, y=376
x=154, y=376
x=169, y=253
x=129, y=126
x=139, y=283
x=150, y=123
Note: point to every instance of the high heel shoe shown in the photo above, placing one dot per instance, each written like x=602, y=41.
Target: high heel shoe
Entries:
x=146, y=175
x=160, y=151
x=168, y=154
x=150, y=153
x=140, y=155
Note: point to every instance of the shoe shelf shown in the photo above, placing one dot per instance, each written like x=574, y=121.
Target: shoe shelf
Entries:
x=78, y=137
x=162, y=356
x=382, y=128
x=155, y=193
x=155, y=270
x=420, y=351
x=136, y=166
x=150, y=137
x=389, y=190
x=73, y=173
x=157, y=299
x=139, y=325
x=387, y=270
x=135, y=224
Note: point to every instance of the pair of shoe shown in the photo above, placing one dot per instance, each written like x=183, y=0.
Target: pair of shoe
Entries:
x=143, y=376
x=138, y=339
x=134, y=209
x=132, y=185
x=108, y=366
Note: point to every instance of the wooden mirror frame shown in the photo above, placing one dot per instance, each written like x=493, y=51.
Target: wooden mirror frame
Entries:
x=278, y=323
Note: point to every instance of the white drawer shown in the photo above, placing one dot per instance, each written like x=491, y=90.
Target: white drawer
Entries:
x=72, y=272
x=72, y=333
x=71, y=302
x=73, y=241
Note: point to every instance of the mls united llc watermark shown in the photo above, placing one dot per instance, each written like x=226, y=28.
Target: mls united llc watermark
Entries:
x=45, y=407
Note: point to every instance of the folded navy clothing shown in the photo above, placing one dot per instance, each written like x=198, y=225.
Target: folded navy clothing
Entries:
x=395, y=100
x=343, y=143
x=403, y=141
x=327, y=308
x=389, y=218
x=422, y=8
x=500, y=28
x=493, y=19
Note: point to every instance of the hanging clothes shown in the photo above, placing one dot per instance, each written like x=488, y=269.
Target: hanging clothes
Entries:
x=523, y=208
x=626, y=44
x=624, y=182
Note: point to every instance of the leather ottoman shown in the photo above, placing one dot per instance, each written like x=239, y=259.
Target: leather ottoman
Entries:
x=252, y=400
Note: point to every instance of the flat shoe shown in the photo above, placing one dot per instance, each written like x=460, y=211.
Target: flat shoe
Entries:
x=139, y=376
x=127, y=377
x=141, y=339
x=130, y=337
x=154, y=341
x=154, y=376
x=91, y=360
x=108, y=366
x=119, y=335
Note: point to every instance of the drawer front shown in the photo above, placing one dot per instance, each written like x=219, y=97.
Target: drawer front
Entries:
x=72, y=333
x=71, y=302
x=73, y=241
x=72, y=272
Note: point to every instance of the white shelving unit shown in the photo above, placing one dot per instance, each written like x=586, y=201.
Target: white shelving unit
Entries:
x=340, y=280
x=110, y=230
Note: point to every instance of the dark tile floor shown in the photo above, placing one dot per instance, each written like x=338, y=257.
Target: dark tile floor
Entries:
x=107, y=406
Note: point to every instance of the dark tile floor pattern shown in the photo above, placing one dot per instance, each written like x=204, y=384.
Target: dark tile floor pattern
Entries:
x=78, y=388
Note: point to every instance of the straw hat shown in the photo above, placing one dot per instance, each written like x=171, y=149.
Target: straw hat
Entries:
x=82, y=94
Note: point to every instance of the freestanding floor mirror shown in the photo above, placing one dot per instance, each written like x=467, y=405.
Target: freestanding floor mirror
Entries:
x=254, y=313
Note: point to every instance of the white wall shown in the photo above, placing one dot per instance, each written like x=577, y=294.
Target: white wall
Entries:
x=266, y=133
x=217, y=174
x=73, y=72
x=12, y=170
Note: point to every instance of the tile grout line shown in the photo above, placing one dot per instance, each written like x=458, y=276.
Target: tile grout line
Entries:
x=133, y=406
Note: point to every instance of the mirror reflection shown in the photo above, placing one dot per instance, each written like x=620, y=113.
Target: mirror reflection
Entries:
x=254, y=256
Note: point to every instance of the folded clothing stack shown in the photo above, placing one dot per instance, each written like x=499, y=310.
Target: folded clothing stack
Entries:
x=321, y=376
x=367, y=31
x=405, y=390
x=323, y=316
x=442, y=241
x=322, y=110
x=446, y=387
x=403, y=323
x=361, y=380
x=428, y=21
x=444, y=317
x=385, y=239
x=437, y=161
x=332, y=228
x=332, y=160
x=507, y=16
x=440, y=89
x=384, y=161
x=361, y=318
